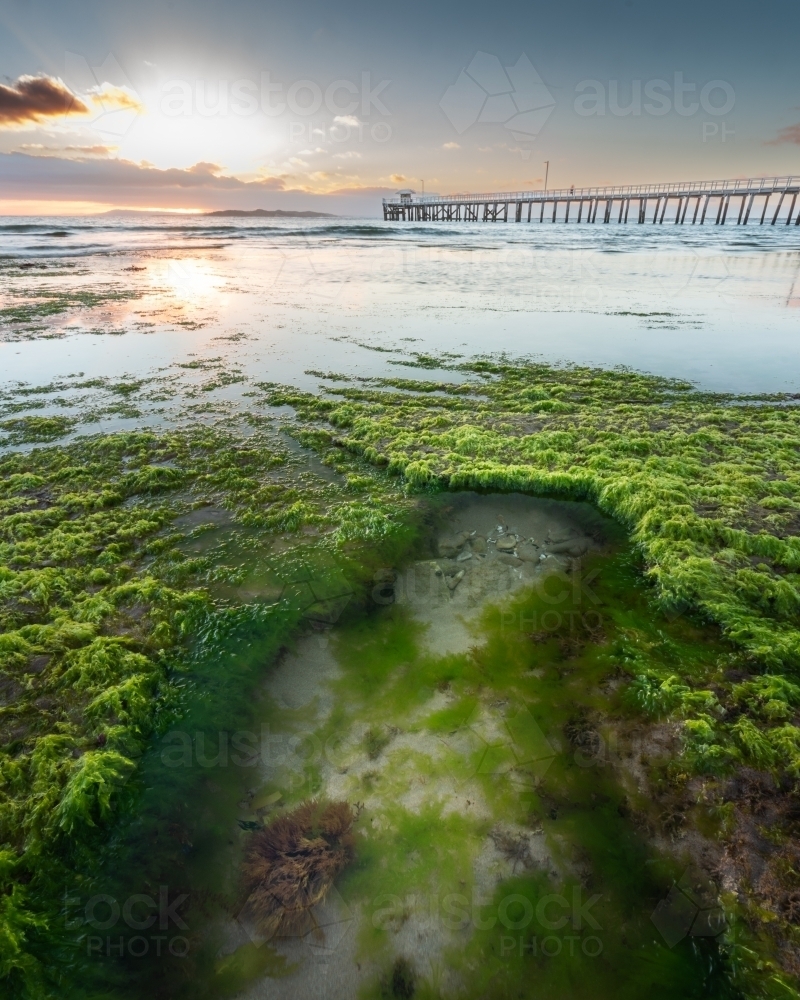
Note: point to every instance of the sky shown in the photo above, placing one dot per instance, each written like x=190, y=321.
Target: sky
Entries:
x=196, y=106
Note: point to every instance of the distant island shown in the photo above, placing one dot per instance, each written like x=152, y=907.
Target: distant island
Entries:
x=271, y=213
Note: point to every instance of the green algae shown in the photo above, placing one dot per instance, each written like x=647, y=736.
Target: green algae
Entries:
x=705, y=484
x=45, y=303
x=35, y=430
x=111, y=631
x=247, y=963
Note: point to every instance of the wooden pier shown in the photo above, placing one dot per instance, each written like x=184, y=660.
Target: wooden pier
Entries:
x=765, y=200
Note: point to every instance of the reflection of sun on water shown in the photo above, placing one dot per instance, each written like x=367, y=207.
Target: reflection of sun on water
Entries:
x=193, y=282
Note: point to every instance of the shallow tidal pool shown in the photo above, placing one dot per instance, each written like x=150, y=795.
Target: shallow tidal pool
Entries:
x=471, y=715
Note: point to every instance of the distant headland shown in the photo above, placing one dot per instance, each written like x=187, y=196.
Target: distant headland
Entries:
x=271, y=213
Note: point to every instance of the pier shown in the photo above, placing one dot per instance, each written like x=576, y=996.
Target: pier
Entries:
x=764, y=200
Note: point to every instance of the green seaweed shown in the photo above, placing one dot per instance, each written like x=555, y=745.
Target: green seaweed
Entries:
x=35, y=430
x=44, y=303
x=112, y=629
x=117, y=612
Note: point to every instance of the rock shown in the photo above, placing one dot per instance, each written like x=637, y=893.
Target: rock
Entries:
x=449, y=547
x=453, y=581
x=508, y=560
x=10, y=691
x=552, y=561
x=572, y=547
x=562, y=535
x=479, y=545
x=528, y=552
x=38, y=663
x=506, y=543
x=463, y=556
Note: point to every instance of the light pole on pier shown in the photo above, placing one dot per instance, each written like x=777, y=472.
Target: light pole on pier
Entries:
x=546, y=172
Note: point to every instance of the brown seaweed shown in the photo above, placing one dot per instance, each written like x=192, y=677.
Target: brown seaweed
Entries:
x=291, y=864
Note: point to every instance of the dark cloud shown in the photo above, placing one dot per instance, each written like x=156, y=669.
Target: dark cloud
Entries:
x=788, y=135
x=32, y=99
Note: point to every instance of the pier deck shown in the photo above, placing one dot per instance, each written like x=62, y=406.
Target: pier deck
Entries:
x=768, y=200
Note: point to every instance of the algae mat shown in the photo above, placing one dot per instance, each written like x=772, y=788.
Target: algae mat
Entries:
x=151, y=578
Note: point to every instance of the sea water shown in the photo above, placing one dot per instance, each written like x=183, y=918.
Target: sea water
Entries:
x=715, y=305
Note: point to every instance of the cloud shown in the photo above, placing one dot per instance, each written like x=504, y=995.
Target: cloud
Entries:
x=351, y=154
x=31, y=182
x=37, y=100
x=109, y=97
x=204, y=169
x=397, y=178
x=361, y=189
x=350, y=120
x=451, y=145
x=50, y=184
x=788, y=135
x=34, y=99
x=40, y=175
x=38, y=149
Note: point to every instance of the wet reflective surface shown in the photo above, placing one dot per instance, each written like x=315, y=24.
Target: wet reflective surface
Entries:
x=715, y=305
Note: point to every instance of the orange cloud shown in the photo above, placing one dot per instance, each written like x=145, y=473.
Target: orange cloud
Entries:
x=33, y=99
x=790, y=134
x=39, y=149
x=114, y=98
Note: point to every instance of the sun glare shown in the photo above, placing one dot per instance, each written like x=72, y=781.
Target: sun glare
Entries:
x=190, y=281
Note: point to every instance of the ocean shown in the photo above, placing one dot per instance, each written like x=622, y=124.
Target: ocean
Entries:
x=126, y=296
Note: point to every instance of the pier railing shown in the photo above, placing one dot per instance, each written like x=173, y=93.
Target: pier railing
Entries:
x=508, y=206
